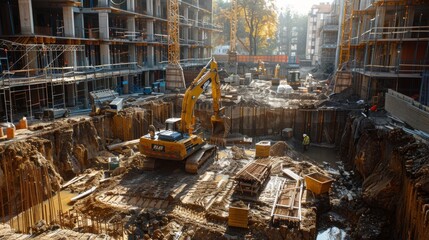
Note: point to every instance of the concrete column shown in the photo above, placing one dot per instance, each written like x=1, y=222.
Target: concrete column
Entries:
x=80, y=30
x=130, y=84
x=150, y=49
x=69, y=31
x=103, y=3
x=195, y=35
x=132, y=53
x=130, y=5
x=70, y=101
x=131, y=27
x=149, y=7
x=103, y=21
x=186, y=13
x=104, y=54
x=158, y=54
x=26, y=16
x=147, y=79
x=32, y=60
x=68, y=18
x=186, y=34
x=158, y=8
x=149, y=29
x=185, y=52
x=139, y=55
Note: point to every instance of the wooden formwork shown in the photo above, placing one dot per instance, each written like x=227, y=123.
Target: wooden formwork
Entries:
x=252, y=177
x=238, y=217
x=287, y=204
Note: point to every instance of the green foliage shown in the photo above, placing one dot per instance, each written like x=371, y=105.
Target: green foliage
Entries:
x=221, y=17
x=261, y=23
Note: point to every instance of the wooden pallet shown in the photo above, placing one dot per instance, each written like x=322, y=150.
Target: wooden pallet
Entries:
x=252, y=177
x=287, y=204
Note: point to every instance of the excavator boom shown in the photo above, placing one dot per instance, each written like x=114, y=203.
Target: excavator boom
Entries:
x=208, y=75
x=178, y=141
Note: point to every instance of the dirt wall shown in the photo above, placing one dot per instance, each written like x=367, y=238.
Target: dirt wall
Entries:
x=393, y=167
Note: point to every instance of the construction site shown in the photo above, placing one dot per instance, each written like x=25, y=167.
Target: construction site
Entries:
x=118, y=122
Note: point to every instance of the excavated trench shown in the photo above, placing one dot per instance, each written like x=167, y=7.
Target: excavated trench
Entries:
x=381, y=188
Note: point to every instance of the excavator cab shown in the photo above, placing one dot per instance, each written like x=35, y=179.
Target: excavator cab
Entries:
x=173, y=124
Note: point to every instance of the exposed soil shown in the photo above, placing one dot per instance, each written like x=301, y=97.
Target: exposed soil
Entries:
x=380, y=188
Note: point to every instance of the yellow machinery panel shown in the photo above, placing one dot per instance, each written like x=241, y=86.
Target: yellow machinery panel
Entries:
x=176, y=151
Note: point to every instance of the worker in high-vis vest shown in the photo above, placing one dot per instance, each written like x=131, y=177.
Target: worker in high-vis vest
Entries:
x=305, y=141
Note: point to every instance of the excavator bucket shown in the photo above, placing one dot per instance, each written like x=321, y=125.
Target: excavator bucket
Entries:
x=220, y=129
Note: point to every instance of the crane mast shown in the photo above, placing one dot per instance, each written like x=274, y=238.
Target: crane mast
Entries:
x=174, y=72
x=173, y=32
x=232, y=53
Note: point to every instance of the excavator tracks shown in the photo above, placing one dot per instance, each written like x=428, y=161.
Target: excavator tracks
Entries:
x=199, y=160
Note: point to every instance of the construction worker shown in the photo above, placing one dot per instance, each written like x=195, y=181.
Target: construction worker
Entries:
x=305, y=142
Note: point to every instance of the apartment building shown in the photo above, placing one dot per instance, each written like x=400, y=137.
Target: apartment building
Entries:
x=328, y=34
x=388, y=47
x=315, y=20
x=54, y=52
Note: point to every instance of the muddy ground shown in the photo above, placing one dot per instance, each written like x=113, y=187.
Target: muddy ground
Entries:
x=380, y=179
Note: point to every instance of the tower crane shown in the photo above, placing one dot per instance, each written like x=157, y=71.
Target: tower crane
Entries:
x=232, y=54
x=174, y=71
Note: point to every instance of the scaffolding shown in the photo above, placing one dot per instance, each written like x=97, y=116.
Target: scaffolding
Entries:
x=43, y=81
x=346, y=33
x=385, y=45
x=24, y=84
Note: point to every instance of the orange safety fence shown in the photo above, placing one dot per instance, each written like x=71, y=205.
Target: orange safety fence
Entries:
x=264, y=58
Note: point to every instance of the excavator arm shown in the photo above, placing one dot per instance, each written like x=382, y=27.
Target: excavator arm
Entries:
x=208, y=75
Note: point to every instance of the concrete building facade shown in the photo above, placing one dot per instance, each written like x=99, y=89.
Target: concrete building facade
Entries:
x=328, y=34
x=315, y=21
x=55, y=52
x=389, y=48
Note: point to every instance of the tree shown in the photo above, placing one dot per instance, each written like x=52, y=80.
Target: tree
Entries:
x=261, y=22
x=221, y=17
x=220, y=13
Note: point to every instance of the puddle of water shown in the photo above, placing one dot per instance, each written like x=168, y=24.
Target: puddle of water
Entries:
x=332, y=233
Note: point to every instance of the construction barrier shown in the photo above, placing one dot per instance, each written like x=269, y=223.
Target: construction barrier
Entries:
x=263, y=149
x=318, y=183
x=264, y=58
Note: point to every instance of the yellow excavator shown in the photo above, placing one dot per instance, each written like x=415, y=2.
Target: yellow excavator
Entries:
x=178, y=141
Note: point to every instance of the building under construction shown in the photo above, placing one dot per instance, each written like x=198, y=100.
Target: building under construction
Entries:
x=53, y=53
x=384, y=45
x=248, y=156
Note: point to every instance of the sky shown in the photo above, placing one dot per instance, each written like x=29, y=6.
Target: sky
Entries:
x=299, y=6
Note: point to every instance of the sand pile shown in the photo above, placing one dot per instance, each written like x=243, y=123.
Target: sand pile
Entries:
x=279, y=149
x=238, y=153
